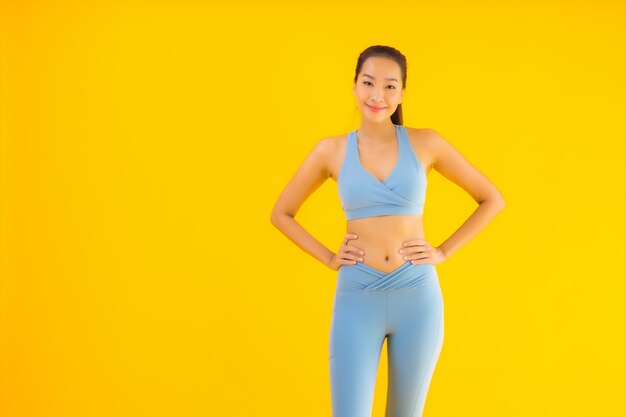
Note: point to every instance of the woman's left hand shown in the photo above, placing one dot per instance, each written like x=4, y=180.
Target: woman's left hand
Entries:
x=419, y=251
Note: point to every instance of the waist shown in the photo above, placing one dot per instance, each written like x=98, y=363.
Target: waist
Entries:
x=381, y=238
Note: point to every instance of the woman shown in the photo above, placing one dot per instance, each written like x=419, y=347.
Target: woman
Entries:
x=387, y=283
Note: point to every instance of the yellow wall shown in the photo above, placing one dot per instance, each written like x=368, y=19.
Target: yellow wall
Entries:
x=145, y=143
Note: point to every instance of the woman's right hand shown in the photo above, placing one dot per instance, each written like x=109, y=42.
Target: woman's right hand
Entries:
x=347, y=255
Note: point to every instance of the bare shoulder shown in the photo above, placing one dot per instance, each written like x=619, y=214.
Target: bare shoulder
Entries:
x=424, y=142
x=323, y=157
x=335, y=149
x=439, y=147
x=452, y=164
x=335, y=142
x=328, y=145
x=325, y=149
x=429, y=141
x=423, y=136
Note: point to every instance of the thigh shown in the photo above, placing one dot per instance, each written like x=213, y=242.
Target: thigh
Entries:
x=414, y=345
x=356, y=338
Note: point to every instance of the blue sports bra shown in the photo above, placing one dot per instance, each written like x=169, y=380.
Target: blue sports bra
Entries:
x=363, y=195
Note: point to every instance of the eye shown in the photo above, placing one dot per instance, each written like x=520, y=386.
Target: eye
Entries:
x=367, y=82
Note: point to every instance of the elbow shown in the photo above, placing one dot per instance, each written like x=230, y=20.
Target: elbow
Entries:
x=273, y=218
x=499, y=200
x=276, y=216
x=496, y=201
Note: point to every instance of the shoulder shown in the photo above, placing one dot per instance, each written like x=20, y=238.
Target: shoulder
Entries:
x=324, y=152
x=326, y=147
x=330, y=145
x=423, y=138
x=423, y=134
x=427, y=144
x=428, y=138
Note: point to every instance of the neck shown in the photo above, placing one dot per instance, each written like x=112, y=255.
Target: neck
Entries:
x=377, y=131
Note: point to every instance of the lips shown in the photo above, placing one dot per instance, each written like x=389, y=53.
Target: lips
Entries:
x=375, y=108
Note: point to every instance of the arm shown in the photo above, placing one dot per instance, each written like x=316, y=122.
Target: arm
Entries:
x=451, y=164
x=309, y=177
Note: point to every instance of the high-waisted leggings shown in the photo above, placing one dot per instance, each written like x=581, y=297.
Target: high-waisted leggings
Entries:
x=406, y=307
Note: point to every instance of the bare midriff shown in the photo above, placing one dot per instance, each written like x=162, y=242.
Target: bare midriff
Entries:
x=381, y=238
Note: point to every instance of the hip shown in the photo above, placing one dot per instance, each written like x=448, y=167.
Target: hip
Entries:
x=361, y=277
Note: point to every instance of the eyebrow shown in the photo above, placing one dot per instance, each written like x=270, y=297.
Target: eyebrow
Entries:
x=388, y=79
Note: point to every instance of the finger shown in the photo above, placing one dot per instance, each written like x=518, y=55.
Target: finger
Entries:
x=414, y=250
x=355, y=250
x=349, y=237
x=422, y=261
x=353, y=256
x=420, y=257
x=349, y=261
x=414, y=242
x=415, y=256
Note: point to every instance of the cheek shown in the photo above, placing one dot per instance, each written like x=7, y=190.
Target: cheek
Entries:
x=360, y=92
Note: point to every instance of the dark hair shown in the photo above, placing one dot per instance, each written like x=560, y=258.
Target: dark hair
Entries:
x=385, y=52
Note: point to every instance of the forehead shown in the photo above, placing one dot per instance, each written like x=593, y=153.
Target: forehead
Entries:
x=381, y=68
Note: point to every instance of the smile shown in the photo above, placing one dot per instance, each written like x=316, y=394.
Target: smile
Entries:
x=376, y=109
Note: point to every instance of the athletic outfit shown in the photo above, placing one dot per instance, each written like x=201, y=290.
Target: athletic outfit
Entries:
x=405, y=306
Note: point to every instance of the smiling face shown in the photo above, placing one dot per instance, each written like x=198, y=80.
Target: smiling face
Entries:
x=378, y=89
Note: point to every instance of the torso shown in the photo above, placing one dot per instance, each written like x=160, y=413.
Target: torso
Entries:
x=381, y=237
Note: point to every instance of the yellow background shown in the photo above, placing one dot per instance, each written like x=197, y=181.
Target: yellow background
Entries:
x=145, y=143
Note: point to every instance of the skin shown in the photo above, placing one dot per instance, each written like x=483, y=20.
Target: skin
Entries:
x=384, y=242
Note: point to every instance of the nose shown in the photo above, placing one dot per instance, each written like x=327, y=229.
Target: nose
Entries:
x=376, y=95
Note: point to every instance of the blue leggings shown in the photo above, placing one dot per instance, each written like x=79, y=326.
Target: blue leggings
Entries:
x=406, y=307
